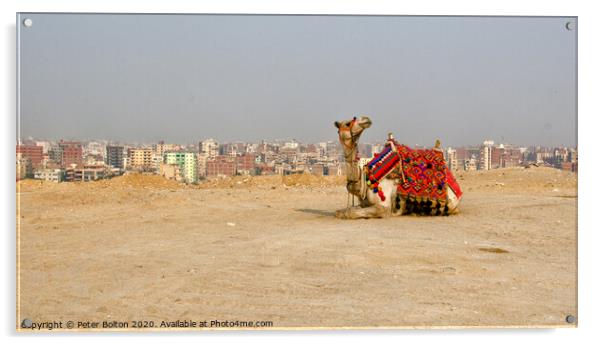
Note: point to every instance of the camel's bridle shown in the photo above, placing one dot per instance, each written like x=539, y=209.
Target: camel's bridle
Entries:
x=343, y=128
x=352, y=139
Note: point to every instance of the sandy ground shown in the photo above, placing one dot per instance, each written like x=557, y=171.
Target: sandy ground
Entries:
x=267, y=248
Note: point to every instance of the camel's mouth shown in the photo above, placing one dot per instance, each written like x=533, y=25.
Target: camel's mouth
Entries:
x=365, y=122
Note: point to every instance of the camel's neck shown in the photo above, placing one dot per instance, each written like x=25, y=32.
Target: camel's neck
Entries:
x=351, y=154
x=352, y=170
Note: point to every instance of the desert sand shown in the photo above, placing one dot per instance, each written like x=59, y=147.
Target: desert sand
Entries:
x=269, y=248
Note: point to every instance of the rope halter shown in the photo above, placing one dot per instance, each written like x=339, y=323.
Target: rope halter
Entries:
x=344, y=128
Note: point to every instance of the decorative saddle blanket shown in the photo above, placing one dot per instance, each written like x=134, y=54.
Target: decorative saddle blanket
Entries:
x=423, y=173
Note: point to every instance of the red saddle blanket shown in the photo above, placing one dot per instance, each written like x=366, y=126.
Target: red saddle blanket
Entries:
x=423, y=173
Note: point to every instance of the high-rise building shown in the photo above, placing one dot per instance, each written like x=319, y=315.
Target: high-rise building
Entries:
x=210, y=147
x=292, y=145
x=71, y=153
x=156, y=161
x=334, y=150
x=201, y=161
x=54, y=154
x=232, y=149
x=187, y=161
x=160, y=148
x=452, y=159
x=497, y=156
x=45, y=145
x=141, y=159
x=470, y=164
x=512, y=157
x=251, y=148
x=114, y=156
x=94, y=148
x=485, y=154
x=245, y=164
x=462, y=155
x=23, y=167
x=32, y=152
x=221, y=165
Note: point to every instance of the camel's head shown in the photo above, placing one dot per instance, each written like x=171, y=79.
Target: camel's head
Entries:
x=350, y=131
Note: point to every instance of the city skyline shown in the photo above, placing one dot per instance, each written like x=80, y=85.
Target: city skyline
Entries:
x=77, y=161
x=457, y=79
x=33, y=140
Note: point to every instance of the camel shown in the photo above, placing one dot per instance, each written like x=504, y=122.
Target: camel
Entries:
x=390, y=202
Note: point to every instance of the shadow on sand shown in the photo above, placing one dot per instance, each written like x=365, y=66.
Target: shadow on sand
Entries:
x=316, y=212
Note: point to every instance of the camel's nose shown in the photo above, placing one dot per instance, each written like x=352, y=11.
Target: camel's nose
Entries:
x=366, y=121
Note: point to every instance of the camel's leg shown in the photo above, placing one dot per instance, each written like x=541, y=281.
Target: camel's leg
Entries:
x=399, y=205
x=375, y=211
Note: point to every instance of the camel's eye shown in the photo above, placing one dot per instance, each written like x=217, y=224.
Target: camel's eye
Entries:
x=348, y=123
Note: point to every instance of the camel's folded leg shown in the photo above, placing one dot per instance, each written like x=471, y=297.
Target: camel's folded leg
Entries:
x=398, y=208
x=375, y=211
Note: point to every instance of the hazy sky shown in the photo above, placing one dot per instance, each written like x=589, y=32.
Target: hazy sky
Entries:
x=183, y=78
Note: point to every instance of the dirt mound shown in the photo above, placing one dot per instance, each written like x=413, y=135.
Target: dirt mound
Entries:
x=273, y=181
x=119, y=182
x=240, y=182
x=312, y=180
x=511, y=180
x=158, y=182
x=519, y=180
x=141, y=181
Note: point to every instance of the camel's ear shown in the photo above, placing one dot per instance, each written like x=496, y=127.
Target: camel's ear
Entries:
x=337, y=124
